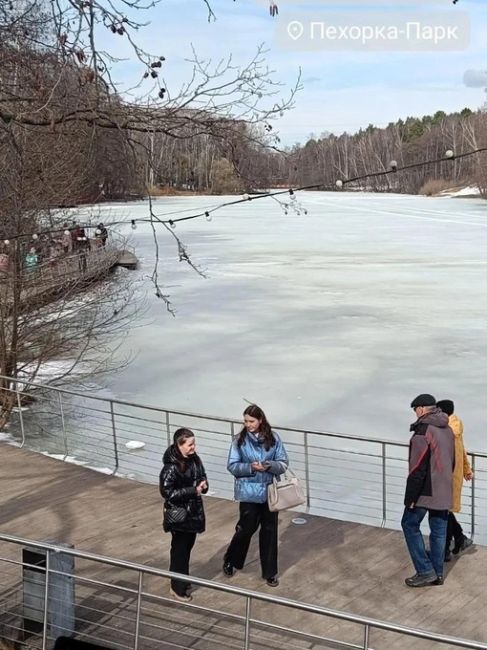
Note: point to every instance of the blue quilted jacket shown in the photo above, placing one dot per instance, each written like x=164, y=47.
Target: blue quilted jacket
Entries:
x=251, y=486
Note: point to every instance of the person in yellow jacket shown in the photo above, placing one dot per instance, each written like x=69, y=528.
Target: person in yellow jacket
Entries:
x=461, y=471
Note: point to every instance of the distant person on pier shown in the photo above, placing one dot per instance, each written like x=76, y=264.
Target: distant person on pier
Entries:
x=66, y=240
x=55, y=252
x=74, y=230
x=4, y=261
x=256, y=456
x=31, y=260
x=83, y=247
x=428, y=490
x=181, y=483
x=101, y=234
x=462, y=471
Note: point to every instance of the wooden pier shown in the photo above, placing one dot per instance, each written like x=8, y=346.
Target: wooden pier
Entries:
x=128, y=260
x=336, y=564
x=47, y=282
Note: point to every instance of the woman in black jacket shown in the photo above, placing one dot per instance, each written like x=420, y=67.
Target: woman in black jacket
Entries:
x=181, y=483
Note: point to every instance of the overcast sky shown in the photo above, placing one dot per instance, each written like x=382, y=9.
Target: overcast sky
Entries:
x=343, y=89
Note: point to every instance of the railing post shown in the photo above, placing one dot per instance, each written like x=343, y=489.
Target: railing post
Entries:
x=21, y=417
x=248, y=603
x=366, y=636
x=66, y=451
x=114, y=434
x=306, y=471
x=472, y=514
x=384, y=486
x=168, y=429
x=137, y=611
x=46, y=602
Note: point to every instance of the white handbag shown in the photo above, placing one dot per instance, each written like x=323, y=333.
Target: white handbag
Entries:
x=285, y=493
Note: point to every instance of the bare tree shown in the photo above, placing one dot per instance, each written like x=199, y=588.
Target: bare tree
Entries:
x=69, y=133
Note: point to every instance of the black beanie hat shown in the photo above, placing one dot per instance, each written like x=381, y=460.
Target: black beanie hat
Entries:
x=423, y=400
x=446, y=405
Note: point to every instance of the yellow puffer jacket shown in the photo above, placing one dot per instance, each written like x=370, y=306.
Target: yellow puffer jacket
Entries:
x=462, y=466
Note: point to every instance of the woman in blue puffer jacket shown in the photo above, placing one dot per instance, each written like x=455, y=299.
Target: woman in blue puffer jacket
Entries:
x=256, y=456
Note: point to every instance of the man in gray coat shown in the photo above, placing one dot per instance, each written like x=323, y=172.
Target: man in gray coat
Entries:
x=428, y=490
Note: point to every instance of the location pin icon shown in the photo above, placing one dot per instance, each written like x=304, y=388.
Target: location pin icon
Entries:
x=295, y=29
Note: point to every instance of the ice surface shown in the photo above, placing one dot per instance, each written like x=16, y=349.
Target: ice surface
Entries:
x=334, y=320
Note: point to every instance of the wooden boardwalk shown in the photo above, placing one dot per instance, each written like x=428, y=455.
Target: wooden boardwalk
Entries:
x=335, y=564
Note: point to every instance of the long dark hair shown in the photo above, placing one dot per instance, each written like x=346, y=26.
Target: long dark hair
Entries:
x=180, y=436
x=265, y=428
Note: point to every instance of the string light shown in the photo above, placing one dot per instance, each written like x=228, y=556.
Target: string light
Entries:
x=339, y=184
x=208, y=216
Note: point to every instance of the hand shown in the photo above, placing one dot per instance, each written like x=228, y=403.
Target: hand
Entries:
x=257, y=467
x=469, y=476
x=411, y=507
x=200, y=487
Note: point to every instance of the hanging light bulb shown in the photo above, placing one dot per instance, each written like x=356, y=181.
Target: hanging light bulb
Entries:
x=208, y=216
x=67, y=233
x=449, y=153
x=134, y=225
x=97, y=231
x=6, y=242
x=246, y=197
x=34, y=236
x=339, y=184
x=172, y=224
x=393, y=165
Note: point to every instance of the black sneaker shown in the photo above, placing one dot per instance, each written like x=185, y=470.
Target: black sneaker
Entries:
x=184, y=598
x=447, y=556
x=424, y=580
x=228, y=569
x=273, y=582
x=439, y=580
x=467, y=543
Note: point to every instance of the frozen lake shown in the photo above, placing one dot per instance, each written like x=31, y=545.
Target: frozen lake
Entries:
x=332, y=320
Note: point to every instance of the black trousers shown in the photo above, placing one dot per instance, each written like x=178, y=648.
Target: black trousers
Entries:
x=453, y=531
x=82, y=262
x=253, y=515
x=181, y=545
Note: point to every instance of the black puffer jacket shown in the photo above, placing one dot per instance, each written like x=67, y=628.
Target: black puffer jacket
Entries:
x=178, y=488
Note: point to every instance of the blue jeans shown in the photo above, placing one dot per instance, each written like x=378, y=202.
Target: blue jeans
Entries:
x=432, y=561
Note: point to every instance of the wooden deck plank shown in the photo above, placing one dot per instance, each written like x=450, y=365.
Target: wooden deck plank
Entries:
x=336, y=564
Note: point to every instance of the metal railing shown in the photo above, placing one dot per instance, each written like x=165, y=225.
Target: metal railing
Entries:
x=348, y=477
x=119, y=604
